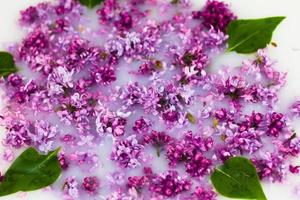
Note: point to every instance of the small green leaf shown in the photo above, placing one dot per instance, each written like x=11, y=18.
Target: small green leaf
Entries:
x=238, y=179
x=31, y=171
x=191, y=118
x=249, y=35
x=7, y=64
x=90, y=3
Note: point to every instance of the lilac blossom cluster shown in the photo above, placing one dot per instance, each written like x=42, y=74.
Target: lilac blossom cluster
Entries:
x=134, y=82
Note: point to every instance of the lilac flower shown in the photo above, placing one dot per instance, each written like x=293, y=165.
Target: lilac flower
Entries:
x=131, y=194
x=14, y=80
x=294, y=169
x=137, y=182
x=86, y=140
x=223, y=153
x=171, y=116
x=59, y=81
x=221, y=114
x=272, y=167
x=198, y=165
x=266, y=65
x=254, y=120
x=214, y=38
x=193, y=58
x=90, y=184
x=61, y=25
x=158, y=140
x=116, y=178
x=8, y=155
x=18, y=134
x=77, y=109
x=79, y=54
x=63, y=161
x=108, y=11
x=234, y=87
x=109, y=122
x=169, y=184
x=288, y=147
x=125, y=21
x=295, y=108
x=128, y=153
x=132, y=94
x=66, y=6
x=276, y=123
x=115, y=47
x=70, y=189
x=141, y=125
x=36, y=42
x=43, y=135
x=29, y=16
x=105, y=75
x=185, y=150
x=217, y=15
x=85, y=159
x=201, y=193
x=245, y=141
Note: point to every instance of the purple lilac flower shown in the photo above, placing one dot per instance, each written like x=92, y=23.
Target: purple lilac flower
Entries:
x=198, y=165
x=36, y=43
x=90, y=184
x=214, y=38
x=295, y=108
x=43, y=135
x=70, y=189
x=169, y=184
x=288, y=147
x=63, y=161
x=8, y=155
x=59, y=81
x=216, y=14
x=18, y=134
x=276, y=123
x=141, y=125
x=294, y=169
x=158, y=140
x=201, y=193
x=264, y=62
x=223, y=153
x=128, y=153
x=104, y=74
x=109, y=122
x=234, y=87
x=185, y=150
x=116, y=178
x=85, y=159
x=272, y=167
x=108, y=11
x=137, y=182
x=29, y=16
x=245, y=141
x=193, y=62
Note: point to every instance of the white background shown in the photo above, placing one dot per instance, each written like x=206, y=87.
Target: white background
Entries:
x=287, y=54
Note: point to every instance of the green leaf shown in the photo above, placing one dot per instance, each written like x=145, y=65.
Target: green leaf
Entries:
x=238, y=179
x=191, y=118
x=249, y=35
x=90, y=3
x=31, y=171
x=7, y=64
